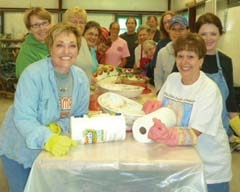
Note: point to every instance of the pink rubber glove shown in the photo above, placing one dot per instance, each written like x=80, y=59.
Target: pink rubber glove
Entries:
x=151, y=105
x=171, y=136
x=160, y=133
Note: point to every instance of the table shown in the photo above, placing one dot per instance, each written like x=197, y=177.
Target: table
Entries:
x=119, y=166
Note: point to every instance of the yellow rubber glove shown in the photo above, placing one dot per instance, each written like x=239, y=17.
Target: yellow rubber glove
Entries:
x=235, y=124
x=55, y=128
x=235, y=139
x=59, y=145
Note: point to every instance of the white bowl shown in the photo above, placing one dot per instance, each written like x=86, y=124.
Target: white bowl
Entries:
x=115, y=103
x=129, y=91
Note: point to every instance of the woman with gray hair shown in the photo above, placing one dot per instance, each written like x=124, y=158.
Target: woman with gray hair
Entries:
x=77, y=17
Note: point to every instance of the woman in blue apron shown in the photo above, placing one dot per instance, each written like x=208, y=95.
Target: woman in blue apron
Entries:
x=219, y=79
x=217, y=65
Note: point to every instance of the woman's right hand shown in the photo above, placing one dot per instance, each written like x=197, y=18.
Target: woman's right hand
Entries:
x=151, y=105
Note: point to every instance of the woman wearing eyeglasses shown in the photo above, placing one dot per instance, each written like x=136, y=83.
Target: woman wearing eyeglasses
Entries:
x=38, y=21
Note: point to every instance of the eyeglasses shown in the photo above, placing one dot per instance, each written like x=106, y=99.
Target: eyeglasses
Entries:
x=38, y=25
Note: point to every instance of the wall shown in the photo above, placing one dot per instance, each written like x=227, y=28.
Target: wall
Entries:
x=104, y=18
x=230, y=41
x=28, y=3
x=139, y=5
x=178, y=4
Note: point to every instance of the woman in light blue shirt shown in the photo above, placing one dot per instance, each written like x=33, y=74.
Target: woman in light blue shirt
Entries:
x=48, y=93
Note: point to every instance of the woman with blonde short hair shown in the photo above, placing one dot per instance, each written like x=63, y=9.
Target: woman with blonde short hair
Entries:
x=49, y=92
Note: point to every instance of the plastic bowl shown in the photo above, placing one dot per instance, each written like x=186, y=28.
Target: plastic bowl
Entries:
x=115, y=103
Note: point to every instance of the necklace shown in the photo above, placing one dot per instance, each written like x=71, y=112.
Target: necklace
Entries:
x=63, y=82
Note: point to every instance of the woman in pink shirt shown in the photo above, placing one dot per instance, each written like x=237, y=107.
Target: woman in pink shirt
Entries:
x=118, y=52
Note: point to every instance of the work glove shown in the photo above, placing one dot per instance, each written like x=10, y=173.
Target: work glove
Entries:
x=151, y=105
x=59, y=145
x=55, y=128
x=235, y=124
x=171, y=136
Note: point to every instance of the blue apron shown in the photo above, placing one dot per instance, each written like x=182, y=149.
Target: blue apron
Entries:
x=219, y=79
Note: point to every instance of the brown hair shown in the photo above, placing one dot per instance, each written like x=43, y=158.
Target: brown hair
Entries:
x=93, y=24
x=60, y=28
x=164, y=33
x=114, y=22
x=190, y=42
x=209, y=18
x=143, y=27
x=135, y=21
x=40, y=12
x=152, y=16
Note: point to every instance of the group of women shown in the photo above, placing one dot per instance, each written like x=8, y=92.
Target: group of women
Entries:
x=56, y=86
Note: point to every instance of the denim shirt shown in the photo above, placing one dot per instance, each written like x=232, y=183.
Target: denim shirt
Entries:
x=24, y=131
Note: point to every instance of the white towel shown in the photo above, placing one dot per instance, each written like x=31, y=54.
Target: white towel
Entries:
x=98, y=128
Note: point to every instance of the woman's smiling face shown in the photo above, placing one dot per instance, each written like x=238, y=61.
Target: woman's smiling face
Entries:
x=189, y=64
x=39, y=27
x=210, y=34
x=64, y=52
x=92, y=35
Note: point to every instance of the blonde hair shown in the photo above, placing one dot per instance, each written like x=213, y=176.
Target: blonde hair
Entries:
x=60, y=28
x=40, y=12
x=144, y=27
x=73, y=13
x=148, y=44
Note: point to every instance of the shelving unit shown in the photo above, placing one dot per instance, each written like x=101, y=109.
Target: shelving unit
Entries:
x=9, y=49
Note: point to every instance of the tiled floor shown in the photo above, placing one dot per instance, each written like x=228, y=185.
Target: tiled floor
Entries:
x=5, y=102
